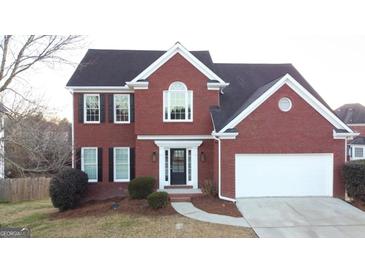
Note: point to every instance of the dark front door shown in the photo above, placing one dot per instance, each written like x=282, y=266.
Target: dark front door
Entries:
x=178, y=166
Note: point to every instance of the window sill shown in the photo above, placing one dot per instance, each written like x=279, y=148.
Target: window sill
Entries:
x=91, y=123
x=121, y=181
x=177, y=121
x=122, y=123
x=92, y=181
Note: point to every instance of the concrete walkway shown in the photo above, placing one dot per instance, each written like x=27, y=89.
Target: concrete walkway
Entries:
x=187, y=209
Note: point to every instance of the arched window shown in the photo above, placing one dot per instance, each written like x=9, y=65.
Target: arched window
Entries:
x=178, y=103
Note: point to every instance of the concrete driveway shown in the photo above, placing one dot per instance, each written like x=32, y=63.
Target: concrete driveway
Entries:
x=302, y=217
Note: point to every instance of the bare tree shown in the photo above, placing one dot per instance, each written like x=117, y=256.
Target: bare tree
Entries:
x=33, y=144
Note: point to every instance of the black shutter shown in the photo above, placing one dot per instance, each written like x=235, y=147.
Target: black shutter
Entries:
x=131, y=101
x=102, y=108
x=111, y=108
x=77, y=158
x=132, y=163
x=111, y=164
x=81, y=108
x=100, y=164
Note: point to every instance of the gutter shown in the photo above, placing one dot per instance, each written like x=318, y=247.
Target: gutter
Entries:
x=219, y=172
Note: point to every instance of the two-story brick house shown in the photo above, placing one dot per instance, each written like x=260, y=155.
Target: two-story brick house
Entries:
x=250, y=129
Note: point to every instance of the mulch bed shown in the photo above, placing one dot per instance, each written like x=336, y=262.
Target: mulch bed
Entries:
x=359, y=204
x=125, y=205
x=214, y=205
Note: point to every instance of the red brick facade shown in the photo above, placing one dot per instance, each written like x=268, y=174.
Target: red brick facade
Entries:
x=359, y=129
x=266, y=130
x=269, y=130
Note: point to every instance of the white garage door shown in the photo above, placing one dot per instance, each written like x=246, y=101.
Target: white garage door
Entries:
x=270, y=175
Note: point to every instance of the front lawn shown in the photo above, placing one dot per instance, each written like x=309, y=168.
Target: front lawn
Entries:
x=100, y=220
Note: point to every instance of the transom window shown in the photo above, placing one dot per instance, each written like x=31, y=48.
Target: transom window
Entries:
x=92, y=108
x=121, y=164
x=178, y=103
x=121, y=108
x=89, y=162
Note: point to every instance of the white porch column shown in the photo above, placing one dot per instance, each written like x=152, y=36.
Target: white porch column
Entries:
x=161, y=161
x=194, y=167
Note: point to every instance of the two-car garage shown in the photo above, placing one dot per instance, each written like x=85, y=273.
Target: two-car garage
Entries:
x=280, y=175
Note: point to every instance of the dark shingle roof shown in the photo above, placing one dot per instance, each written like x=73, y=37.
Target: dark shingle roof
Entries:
x=358, y=141
x=351, y=113
x=247, y=81
x=115, y=67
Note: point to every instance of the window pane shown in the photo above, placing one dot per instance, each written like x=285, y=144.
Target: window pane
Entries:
x=92, y=108
x=167, y=172
x=189, y=165
x=90, y=163
x=121, y=108
x=121, y=163
x=359, y=152
x=177, y=105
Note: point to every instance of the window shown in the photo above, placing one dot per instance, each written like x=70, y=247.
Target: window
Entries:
x=167, y=170
x=178, y=103
x=189, y=165
x=358, y=152
x=121, y=164
x=89, y=163
x=92, y=108
x=285, y=104
x=121, y=108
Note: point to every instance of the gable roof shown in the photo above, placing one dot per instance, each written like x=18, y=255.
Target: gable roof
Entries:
x=351, y=113
x=266, y=91
x=247, y=83
x=113, y=68
x=358, y=141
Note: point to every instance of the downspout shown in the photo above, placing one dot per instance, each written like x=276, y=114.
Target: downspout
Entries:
x=219, y=173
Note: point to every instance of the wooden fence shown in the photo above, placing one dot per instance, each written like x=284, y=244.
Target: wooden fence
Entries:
x=24, y=189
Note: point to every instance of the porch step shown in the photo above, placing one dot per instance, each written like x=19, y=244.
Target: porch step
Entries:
x=182, y=194
x=177, y=187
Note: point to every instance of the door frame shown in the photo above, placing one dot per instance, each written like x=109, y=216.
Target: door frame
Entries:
x=164, y=153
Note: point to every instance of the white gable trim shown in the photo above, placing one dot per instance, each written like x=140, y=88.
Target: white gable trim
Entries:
x=301, y=91
x=178, y=48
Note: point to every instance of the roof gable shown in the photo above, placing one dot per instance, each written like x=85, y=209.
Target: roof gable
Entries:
x=265, y=92
x=178, y=49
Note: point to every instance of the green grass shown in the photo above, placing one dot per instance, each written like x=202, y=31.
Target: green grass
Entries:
x=42, y=220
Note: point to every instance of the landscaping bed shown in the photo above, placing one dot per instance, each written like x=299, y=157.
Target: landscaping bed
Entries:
x=217, y=206
x=125, y=205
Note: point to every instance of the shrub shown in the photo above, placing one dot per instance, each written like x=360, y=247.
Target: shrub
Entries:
x=354, y=176
x=67, y=188
x=158, y=200
x=141, y=187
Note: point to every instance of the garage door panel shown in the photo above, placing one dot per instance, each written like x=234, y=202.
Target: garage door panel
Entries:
x=269, y=175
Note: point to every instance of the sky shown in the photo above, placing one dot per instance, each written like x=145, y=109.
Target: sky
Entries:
x=324, y=40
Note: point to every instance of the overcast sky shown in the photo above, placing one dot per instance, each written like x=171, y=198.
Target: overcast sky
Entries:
x=326, y=43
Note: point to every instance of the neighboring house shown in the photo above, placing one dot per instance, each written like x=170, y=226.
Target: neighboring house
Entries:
x=250, y=129
x=354, y=116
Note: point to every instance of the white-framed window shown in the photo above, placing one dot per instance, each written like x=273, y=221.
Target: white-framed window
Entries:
x=122, y=108
x=285, y=104
x=358, y=152
x=189, y=164
x=89, y=163
x=92, y=108
x=121, y=164
x=177, y=103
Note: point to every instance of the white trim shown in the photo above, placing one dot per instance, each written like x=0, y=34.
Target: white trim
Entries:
x=301, y=91
x=285, y=100
x=178, y=48
x=115, y=111
x=216, y=86
x=138, y=85
x=340, y=135
x=82, y=163
x=357, y=125
x=101, y=89
x=129, y=165
x=73, y=133
x=188, y=145
x=174, y=137
x=225, y=135
x=85, y=110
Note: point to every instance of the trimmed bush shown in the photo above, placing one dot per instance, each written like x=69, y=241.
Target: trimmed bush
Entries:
x=354, y=176
x=141, y=187
x=67, y=188
x=158, y=200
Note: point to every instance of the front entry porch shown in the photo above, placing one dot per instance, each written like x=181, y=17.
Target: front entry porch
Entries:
x=178, y=163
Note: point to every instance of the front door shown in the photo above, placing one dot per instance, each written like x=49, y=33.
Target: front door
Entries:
x=178, y=166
